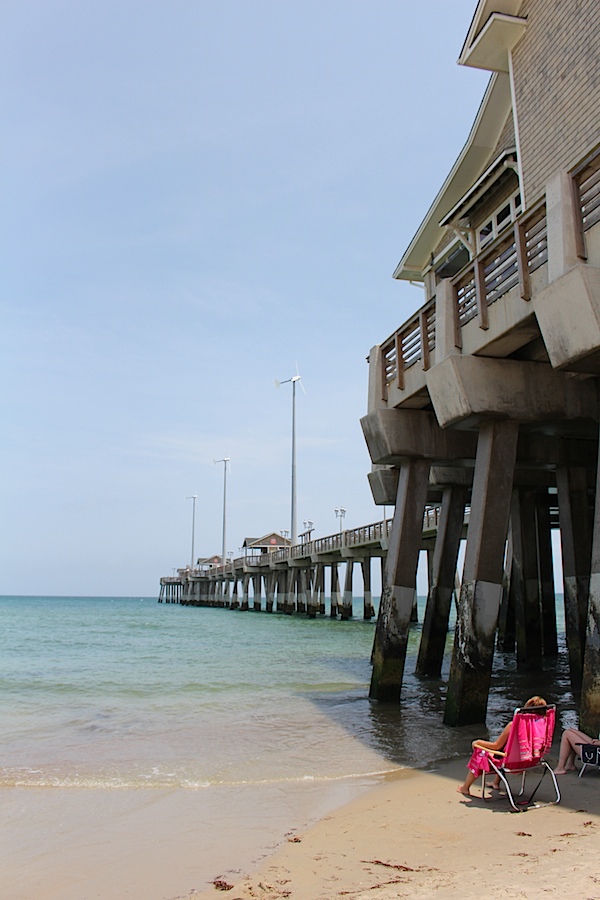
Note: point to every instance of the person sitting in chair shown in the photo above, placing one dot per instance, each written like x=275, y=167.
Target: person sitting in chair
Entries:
x=479, y=763
x=569, y=749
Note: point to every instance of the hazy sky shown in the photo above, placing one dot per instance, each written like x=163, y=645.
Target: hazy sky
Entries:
x=197, y=194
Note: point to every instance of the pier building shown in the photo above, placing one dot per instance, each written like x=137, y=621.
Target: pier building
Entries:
x=487, y=396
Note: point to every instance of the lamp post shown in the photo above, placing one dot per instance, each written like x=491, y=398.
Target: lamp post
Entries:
x=225, y=460
x=340, y=513
x=193, y=497
x=293, y=381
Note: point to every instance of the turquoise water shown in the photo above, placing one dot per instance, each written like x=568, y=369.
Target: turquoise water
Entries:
x=125, y=692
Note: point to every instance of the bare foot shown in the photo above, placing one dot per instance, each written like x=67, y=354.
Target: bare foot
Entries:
x=564, y=771
x=463, y=790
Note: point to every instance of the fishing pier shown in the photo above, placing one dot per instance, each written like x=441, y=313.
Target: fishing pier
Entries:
x=295, y=579
x=484, y=405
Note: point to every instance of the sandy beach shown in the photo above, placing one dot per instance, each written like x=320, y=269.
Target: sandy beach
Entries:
x=414, y=836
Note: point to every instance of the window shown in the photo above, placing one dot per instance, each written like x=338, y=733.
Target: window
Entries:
x=501, y=218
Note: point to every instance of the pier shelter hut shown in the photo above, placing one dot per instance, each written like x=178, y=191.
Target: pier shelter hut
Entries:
x=489, y=392
x=257, y=565
x=265, y=544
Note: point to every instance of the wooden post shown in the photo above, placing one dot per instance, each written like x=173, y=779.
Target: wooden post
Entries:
x=393, y=622
x=481, y=588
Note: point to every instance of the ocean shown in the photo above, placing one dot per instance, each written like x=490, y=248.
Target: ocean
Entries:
x=147, y=749
x=242, y=709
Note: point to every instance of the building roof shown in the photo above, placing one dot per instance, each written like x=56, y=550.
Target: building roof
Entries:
x=472, y=162
x=271, y=540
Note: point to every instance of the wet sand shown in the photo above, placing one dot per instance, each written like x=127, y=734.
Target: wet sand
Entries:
x=416, y=837
x=149, y=843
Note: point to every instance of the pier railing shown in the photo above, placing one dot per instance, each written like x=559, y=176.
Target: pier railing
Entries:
x=507, y=262
x=374, y=534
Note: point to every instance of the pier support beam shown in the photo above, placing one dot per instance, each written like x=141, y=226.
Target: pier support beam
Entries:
x=335, y=591
x=301, y=580
x=319, y=588
x=576, y=541
x=481, y=589
x=391, y=633
x=235, y=602
x=369, y=610
x=245, y=592
x=312, y=600
x=506, y=618
x=525, y=577
x=256, y=591
x=270, y=591
x=546, y=574
x=346, y=609
x=590, y=692
x=442, y=582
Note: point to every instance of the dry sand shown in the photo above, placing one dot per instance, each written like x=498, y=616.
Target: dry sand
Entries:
x=415, y=836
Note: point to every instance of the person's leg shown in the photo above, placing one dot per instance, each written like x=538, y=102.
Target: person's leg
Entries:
x=569, y=749
x=464, y=787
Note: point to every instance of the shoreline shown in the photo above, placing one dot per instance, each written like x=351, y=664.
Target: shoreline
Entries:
x=85, y=843
x=405, y=833
x=414, y=836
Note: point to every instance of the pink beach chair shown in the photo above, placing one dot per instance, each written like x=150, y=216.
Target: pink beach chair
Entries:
x=529, y=741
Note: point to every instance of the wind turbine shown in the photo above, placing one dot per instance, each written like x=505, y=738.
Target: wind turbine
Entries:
x=193, y=497
x=225, y=460
x=294, y=380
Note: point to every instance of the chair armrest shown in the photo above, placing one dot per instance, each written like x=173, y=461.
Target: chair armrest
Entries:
x=487, y=749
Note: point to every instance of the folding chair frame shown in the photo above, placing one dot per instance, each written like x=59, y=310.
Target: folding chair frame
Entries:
x=501, y=771
x=584, y=765
x=521, y=805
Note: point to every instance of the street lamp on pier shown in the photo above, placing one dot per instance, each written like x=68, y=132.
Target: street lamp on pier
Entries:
x=340, y=513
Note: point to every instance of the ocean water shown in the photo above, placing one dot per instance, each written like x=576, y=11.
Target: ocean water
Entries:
x=126, y=692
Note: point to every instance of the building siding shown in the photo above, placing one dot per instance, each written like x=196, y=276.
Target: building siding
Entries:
x=557, y=88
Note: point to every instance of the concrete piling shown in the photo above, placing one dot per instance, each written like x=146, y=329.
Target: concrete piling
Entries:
x=481, y=588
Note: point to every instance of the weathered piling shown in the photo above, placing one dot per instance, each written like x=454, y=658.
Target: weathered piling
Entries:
x=442, y=581
x=481, y=589
x=391, y=635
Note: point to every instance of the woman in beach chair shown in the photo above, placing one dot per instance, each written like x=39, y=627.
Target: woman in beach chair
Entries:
x=570, y=747
x=525, y=748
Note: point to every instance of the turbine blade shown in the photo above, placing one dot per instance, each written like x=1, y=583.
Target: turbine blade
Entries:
x=277, y=383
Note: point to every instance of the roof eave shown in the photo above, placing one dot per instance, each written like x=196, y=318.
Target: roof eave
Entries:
x=472, y=161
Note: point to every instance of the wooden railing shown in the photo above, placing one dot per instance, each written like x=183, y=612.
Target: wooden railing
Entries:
x=507, y=262
x=586, y=190
x=411, y=343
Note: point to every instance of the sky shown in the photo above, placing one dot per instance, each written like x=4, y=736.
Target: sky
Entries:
x=198, y=197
